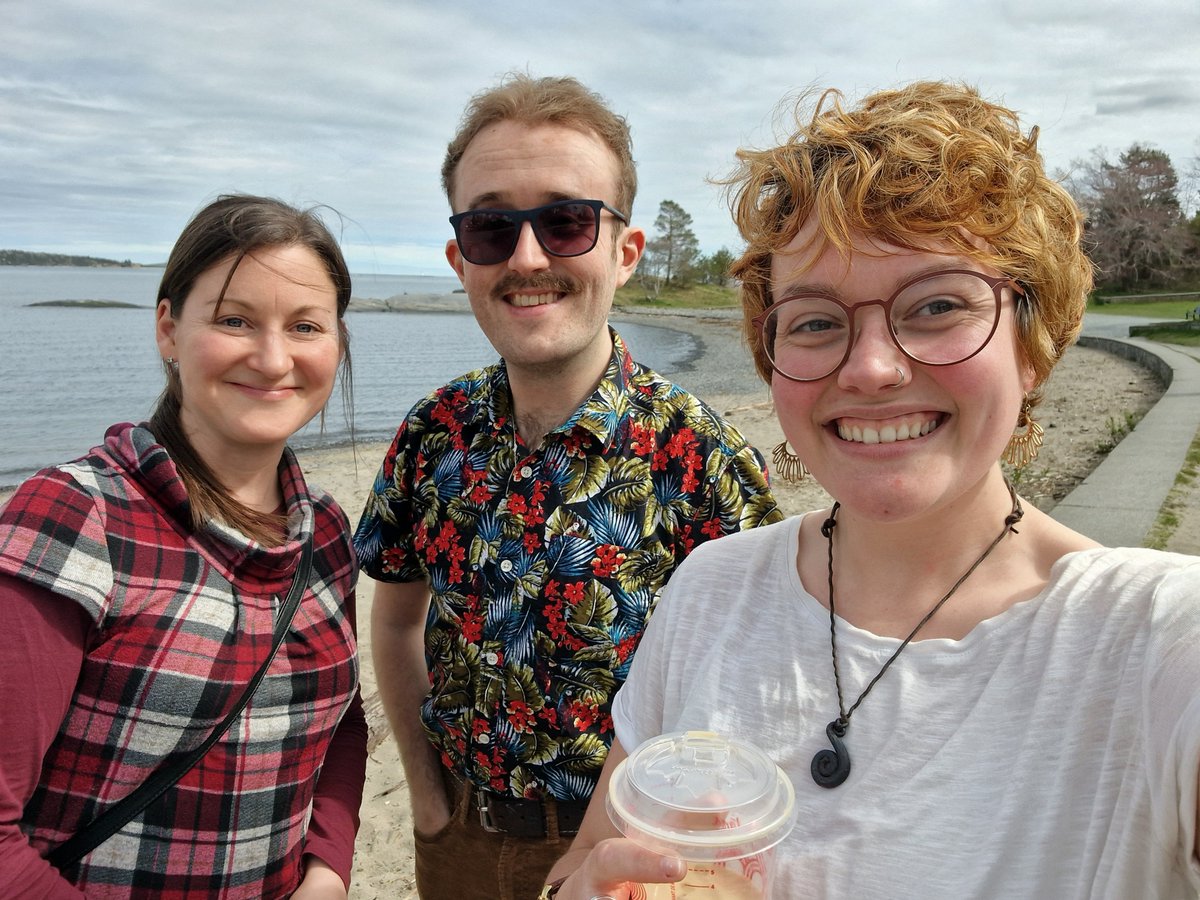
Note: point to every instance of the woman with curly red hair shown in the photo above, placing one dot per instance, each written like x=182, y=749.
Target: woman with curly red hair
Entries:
x=970, y=699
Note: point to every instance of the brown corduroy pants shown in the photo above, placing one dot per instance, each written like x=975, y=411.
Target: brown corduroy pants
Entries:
x=465, y=862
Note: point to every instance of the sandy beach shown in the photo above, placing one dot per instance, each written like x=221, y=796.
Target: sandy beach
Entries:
x=1089, y=395
x=1089, y=390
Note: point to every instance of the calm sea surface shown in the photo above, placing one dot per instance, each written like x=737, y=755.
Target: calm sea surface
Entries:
x=66, y=373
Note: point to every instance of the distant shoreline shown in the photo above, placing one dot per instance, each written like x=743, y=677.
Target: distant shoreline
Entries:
x=32, y=258
x=456, y=302
x=92, y=304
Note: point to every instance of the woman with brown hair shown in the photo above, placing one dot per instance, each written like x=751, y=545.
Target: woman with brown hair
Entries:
x=181, y=603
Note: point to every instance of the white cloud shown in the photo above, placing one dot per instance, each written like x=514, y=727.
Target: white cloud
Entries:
x=118, y=121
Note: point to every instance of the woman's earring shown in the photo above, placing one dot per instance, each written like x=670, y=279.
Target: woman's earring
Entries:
x=1022, y=448
x=788, y=464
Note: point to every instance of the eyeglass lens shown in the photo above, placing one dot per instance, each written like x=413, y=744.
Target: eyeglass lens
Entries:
x=942, y=319
x=489, y=236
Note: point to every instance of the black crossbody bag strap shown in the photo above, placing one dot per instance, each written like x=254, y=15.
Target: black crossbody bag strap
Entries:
x=114, y=818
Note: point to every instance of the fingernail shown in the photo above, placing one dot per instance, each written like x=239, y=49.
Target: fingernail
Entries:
x=674, y=869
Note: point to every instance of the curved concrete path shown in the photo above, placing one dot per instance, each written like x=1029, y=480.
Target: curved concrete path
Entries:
x=1118, y=503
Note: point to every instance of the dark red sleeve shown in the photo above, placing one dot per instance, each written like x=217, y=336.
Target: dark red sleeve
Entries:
x=334, y=823
x=42, y=644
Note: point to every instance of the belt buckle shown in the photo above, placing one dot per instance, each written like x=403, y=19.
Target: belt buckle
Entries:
x=485, y=813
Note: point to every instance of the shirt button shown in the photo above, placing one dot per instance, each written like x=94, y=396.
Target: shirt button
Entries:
x=506, y=566
x=526, y=471
x=485, y=739
x=491, y=658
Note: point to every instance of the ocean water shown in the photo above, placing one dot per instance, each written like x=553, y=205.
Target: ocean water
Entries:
x=67, y=373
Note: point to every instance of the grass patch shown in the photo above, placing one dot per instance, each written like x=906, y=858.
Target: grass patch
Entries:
x=1168, y=514
x=694, y=296
x=1164, y=311
x=1117, y=429
x=1171, y=336
x=1167, y=310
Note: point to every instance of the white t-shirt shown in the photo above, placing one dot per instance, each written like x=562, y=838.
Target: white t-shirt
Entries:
x=1051, y=753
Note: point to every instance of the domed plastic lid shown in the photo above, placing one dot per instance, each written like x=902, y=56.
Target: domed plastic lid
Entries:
x=701, y=796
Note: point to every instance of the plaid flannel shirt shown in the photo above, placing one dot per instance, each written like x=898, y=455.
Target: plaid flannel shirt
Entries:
x=182, y=620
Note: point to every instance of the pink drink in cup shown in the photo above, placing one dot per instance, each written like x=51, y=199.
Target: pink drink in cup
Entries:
x=720, y=804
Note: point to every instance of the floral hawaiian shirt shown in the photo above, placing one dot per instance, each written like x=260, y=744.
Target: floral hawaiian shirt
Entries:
x=544, y=566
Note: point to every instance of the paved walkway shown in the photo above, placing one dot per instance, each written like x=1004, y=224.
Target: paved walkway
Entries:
x=1118, y=503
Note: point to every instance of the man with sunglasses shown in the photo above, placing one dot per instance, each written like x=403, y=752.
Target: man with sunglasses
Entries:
x=527, y=515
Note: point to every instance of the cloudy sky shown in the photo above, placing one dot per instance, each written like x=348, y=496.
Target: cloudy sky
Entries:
x=119, y=120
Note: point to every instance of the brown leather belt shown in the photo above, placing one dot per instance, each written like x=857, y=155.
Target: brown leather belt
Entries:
x=526, y=818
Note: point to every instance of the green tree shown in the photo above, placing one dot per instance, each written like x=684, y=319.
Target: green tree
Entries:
x=714, y=269
x=1135, y=225
x=671, y=254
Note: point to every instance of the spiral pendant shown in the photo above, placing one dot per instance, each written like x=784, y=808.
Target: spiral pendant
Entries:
x=831, y=767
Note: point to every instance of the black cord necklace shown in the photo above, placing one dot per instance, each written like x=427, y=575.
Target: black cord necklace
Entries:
x=831, y=767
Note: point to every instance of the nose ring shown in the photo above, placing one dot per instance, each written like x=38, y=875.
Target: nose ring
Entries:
x=903, y=377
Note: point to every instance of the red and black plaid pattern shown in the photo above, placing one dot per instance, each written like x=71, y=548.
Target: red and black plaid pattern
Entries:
x=182, y=622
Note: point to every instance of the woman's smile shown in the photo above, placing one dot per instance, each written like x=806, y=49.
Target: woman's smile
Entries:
x=887, y=431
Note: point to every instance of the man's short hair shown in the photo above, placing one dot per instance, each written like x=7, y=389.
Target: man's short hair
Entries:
x=547, y=101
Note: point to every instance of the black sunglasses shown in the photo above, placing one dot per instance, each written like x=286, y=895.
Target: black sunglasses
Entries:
x=564, y=228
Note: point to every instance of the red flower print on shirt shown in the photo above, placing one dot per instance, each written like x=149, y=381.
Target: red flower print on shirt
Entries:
x=583, y=714
x=556, y=626
x=681, y=441
x=641, y=439
x=626, y=646
x=472, y=626
x=446, y=537
x=393, y=559
x=607, y=560
x=573, y=444
x=520, y=716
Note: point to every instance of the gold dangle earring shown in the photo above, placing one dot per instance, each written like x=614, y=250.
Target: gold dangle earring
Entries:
x=788, y=464
x=1022, y=448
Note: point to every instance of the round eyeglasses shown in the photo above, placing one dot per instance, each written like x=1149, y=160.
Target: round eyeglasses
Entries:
x=937, y=319
x=564, y=228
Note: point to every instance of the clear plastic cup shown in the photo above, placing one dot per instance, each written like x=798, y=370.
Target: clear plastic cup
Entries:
x=718, y=803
